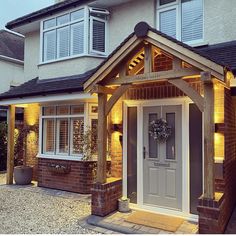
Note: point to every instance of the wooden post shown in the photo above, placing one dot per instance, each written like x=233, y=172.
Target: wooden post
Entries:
x=209, y=129
x=10, y=144
x=147, y=59
x=102, y=138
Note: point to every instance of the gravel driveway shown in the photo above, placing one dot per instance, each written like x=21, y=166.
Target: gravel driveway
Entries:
x=37, y=210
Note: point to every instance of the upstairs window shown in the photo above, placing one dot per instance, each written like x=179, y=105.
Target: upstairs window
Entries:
x=76, y=33
x=181, y=19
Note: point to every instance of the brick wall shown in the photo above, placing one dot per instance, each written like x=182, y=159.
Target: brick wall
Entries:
x=81, y=176
x=213, y=217
x=79, y=179
x=31, y=118
x=105, y=197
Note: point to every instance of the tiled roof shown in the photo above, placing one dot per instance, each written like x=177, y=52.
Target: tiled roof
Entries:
x=223, y=52
x=11, y=45
x=36, y=87
x=47, y=11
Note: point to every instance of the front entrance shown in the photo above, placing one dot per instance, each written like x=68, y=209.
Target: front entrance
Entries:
x=162, y=160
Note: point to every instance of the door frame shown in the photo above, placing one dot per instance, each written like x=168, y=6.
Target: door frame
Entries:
x=184, y=102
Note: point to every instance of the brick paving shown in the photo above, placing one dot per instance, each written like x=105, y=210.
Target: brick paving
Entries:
x=116, y=222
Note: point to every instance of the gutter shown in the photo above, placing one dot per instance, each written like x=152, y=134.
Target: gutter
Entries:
x=13, y=60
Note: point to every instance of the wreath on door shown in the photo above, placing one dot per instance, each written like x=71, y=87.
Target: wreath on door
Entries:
x=160, y=130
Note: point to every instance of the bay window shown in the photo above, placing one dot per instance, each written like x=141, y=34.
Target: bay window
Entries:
x=181, y=19
x=77, y=33
x=63, y=128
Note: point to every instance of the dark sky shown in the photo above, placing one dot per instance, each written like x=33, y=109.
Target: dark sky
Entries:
x=12, y=9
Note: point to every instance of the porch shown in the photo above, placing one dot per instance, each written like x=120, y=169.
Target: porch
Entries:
x=151, y=71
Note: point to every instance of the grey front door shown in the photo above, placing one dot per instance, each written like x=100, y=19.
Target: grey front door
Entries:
x=162, y=161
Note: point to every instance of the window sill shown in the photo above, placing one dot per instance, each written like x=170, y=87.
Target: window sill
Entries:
x=58, y=157
x=72, y=58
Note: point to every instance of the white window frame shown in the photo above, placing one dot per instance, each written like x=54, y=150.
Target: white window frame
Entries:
x=87, y=29
x=92, y=18
x=56, y=154
x=178, y=5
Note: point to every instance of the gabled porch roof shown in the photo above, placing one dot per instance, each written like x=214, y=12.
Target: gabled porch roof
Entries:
x=144, y=34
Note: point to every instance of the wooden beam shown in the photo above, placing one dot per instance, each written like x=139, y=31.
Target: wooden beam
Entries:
x=189, y=91
x=10, y=144
x=115, y=97
x=147, y=58
x=155, y=76
x=209, y=129
x=102, y=89
x=177, y=64
x=102, y=139
x=107, y=68
x=186, y=55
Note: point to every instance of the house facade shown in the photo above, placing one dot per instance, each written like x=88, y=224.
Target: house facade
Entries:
x=154, y=82
x=11, y=63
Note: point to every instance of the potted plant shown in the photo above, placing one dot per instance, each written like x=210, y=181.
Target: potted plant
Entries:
x=23, y=173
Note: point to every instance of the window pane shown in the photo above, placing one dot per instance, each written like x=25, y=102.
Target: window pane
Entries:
x=94, y=128
x=76, y=15
x=168, y=22
x=63, y=19
x=170, y=143
x=49, y=23
x=48, y=111
x=77, y=135
x=62, y=135
x=98, y=36
x=152, y=142
x=48, y=135
x=77, y=109
x=49, y=45
x=63, y=42
x=77, y=38
x=63, y=110
x=163, y=2
x=192, y=20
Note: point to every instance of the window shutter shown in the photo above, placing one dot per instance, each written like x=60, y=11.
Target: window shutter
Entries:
x=63, y=136
x=192, y=20
x=98, y=34
x=77, y=38
x=49, y=136
x=49, y=47
x=168, y=22
x=63, y=39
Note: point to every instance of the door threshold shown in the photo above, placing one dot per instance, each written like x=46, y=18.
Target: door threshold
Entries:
x=164, y=211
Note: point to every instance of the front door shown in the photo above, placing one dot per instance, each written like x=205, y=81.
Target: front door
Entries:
x=162, y=160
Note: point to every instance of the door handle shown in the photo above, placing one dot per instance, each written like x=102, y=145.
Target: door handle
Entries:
x=144, y=152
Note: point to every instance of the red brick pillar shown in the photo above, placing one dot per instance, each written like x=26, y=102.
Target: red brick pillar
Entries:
x=212, y=218
x=105, y=197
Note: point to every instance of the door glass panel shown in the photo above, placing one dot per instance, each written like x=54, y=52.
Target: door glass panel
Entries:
x=170, y=143
x=151, y=141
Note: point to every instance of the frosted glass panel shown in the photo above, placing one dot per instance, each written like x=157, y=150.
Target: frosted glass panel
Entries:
x=152, y=142
x=170, y=143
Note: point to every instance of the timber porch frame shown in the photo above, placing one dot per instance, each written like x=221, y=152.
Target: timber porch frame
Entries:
x=114, y=78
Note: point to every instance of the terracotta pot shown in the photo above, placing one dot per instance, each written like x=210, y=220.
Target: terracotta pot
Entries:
x=23, y=175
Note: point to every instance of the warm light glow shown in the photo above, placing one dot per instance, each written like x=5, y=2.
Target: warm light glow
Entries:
x=219, y=141
x=22, y=105
x=31, y=114
x=219, y=103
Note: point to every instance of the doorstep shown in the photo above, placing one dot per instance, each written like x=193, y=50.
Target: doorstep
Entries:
x=116, y=222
